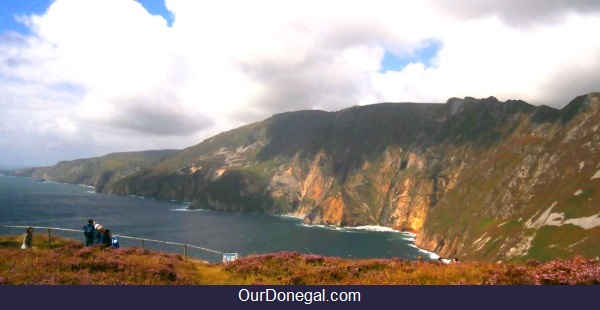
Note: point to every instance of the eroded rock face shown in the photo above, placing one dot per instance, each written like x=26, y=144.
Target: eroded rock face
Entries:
x=385, y=193
x=531, y=196
x=329, y=212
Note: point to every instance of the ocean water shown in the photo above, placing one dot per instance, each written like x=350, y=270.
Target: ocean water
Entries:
x=28, y=202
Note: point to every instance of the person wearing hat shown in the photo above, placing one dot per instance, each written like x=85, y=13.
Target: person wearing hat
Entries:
x=99, y=229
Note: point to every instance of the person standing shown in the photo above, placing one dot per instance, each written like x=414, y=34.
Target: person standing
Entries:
x=98, y=230
x=27, y=239
x=88, y=232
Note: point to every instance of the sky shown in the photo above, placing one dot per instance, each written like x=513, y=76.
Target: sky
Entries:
x=84, y=78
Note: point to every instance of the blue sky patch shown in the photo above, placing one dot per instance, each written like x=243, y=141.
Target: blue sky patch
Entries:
x=10, y=9
x=424, y=55
x=157, y=7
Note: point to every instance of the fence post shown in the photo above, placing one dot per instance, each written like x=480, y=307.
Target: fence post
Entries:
x=185, y=251
x=48, y=237
x=142, y=244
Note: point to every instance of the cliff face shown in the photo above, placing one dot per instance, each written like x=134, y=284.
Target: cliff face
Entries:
x=474, y=178
x=535, y=194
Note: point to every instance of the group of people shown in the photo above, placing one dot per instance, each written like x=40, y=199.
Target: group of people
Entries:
x=96, y=234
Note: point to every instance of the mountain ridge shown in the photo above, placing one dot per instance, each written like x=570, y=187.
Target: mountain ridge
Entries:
x=471, y=176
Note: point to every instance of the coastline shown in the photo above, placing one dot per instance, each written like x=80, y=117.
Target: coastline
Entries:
x=408, y=237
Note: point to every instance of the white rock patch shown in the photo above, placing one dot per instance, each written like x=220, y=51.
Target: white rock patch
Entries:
x=541, y=220
x=585, y=222
x=522, y=248
x=578, y=192
x=576, y=243
x=479, y=243
x=558, y=219
x=596, y=176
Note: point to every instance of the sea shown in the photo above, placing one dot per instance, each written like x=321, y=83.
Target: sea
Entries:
x=210, y=234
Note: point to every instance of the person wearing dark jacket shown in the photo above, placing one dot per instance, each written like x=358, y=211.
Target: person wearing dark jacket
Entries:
x=107, y=238
x=88, y=232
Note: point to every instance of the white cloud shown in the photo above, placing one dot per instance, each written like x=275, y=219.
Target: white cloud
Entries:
x=547, y=65
x=517, y=13
x=121, y=78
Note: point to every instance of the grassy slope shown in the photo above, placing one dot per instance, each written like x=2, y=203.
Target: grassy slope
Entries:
x=69, y=263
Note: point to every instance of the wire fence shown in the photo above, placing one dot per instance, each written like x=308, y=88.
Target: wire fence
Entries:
x=142, y=242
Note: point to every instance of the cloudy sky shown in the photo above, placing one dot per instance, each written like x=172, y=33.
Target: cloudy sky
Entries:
x=83, y=78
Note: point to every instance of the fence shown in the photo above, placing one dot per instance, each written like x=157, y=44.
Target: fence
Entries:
x=142, y=240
